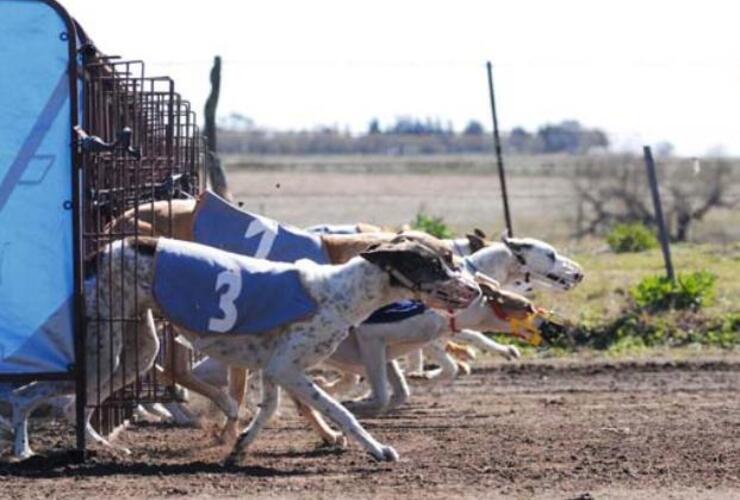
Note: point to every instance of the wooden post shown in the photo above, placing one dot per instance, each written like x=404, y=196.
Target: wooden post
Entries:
x=214, y=168
x=662, y=233
x=499, y=157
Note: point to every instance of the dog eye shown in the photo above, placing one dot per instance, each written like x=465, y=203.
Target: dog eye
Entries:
x=551, y=255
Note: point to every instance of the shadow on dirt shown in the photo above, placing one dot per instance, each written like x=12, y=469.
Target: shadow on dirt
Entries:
x=66, y=464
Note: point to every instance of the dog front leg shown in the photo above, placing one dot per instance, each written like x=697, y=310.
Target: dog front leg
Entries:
x=177, y=368
x=401, y=392
x=415, y=363
x=483, y=343
x=270, y=402
x=305, y=390
x=237, y=385
x=345, y=383
x=318, y=424
x=447, y=366
x=373, y=354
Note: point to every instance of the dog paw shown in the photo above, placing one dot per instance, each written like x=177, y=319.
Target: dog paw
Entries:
x=363, y=407
x=512, y=353
x=233, y=459
x=464, y=368
x=336, y=440
x=424, y=376
x=123, y=450
x=386, y=454
x=23, y=455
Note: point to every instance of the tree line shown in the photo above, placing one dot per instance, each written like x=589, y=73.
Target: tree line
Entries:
x=407, y=136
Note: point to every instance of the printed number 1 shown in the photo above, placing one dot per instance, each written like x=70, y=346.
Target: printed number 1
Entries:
x=233, y=282
x=268, y=229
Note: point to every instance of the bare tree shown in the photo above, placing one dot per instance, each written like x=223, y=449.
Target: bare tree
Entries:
x=610, y=194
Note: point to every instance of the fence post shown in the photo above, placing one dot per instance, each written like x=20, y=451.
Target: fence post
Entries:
x=662, y=233
x=215, y=169
x=499, y=157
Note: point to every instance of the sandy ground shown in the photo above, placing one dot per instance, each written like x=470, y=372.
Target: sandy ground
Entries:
x=546, y=429
x=464, y=201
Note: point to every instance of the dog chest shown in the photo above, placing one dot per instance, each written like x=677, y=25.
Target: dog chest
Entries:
x=222, y=225
x=207, y=290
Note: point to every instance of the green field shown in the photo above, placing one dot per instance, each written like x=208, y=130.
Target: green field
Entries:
x=464, y=191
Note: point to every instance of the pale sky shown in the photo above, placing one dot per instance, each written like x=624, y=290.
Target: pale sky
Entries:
x=645, y=71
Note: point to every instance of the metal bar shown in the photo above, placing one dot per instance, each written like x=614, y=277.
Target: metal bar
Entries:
x=33, y=377
x=499, y=156
x=662, y=233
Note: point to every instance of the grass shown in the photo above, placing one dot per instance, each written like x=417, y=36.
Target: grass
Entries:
x=604, y=318
x=609, y=277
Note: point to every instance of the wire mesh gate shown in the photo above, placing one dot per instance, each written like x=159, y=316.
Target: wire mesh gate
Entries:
x=139, y=144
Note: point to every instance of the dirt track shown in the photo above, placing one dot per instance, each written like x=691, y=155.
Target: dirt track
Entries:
x=545, y=429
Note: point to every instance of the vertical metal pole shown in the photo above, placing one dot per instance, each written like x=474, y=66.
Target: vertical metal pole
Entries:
x=499, y=157
x=662, y=233
x=79, y=326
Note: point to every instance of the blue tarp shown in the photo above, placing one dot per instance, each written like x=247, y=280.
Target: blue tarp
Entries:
x=36, y=255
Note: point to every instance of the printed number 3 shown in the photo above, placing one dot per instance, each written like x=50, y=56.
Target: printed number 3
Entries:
x=233, y=282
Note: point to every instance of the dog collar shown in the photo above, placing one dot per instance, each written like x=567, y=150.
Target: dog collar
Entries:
x=457, y=248
x=498, y=310
x=470, y=265
x=451, y=321
x=403, y=280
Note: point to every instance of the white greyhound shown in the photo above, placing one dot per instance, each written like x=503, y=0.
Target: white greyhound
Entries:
x=521, y=265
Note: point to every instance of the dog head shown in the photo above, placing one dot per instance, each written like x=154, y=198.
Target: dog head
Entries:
x=517, y=311
x=424, y=265
x=539, y=262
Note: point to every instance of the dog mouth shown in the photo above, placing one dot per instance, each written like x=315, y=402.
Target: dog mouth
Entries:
x=557, y=281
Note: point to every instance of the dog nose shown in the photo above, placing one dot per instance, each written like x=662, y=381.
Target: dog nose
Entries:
x=578, y=277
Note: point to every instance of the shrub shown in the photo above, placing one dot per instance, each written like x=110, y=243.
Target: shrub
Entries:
x=689, y=291
x=631, y=238
x=432, y=225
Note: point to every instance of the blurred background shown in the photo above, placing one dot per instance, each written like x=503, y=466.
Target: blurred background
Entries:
x=339, y=112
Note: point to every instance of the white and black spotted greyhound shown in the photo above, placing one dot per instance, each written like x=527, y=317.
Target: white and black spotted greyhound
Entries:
x=331, y=300
x=372, y=348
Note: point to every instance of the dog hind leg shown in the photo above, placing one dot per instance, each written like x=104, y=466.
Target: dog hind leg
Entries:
x=483, y=343
x=305, y=390
x=270, y=402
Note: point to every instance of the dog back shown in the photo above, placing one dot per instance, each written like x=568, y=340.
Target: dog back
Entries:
x=222, y=225
x=207, y=290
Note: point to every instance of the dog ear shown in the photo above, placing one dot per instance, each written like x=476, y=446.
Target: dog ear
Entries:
x=487, y=290
x=479, y=233
x=387, y=254
x=475, y=241
x=435, y=244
